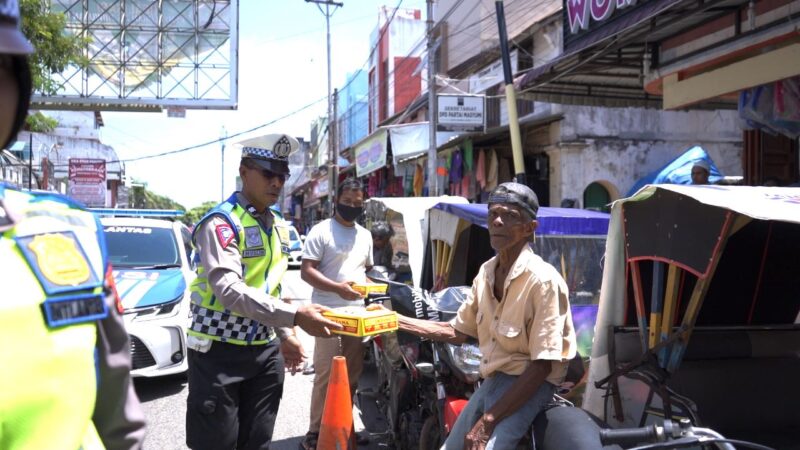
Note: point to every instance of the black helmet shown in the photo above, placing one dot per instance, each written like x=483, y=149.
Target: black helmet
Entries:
x=381, y=230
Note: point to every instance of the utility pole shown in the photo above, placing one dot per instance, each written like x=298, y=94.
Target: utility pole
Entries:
x=224, y=137
x=332, y=158
x=30, y=160
x=433, y=187
x=333, y=126
x=511, y=96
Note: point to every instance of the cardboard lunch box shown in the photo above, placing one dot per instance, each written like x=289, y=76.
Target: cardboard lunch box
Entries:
x=366, y=289
x=357, y=321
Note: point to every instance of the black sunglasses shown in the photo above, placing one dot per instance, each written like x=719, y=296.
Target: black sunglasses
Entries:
x=270, y=174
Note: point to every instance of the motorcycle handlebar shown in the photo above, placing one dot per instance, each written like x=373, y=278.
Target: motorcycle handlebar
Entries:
x=631, y=436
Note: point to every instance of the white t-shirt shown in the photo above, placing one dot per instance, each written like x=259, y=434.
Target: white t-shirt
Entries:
x=343, y=253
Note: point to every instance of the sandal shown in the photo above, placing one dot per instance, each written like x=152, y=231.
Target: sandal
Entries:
x=310, y=441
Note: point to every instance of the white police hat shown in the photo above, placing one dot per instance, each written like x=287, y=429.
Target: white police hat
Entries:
x=270, y=152
x=12, y=41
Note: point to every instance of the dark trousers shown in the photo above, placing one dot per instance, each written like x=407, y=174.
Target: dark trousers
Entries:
x=234, y=393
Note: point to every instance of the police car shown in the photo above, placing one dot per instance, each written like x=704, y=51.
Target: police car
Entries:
x=150, y=256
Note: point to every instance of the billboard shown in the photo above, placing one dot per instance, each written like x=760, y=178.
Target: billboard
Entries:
x=87, y=181
x=146, y=54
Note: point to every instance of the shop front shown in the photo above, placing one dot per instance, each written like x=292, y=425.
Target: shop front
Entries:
x=687, y=55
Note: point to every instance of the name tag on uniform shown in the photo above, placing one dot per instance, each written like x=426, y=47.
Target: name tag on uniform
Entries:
x=254, y=253
x=59, y=262
x=74, y=309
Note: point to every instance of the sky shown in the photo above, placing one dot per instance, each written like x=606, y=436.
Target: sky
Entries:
x=282, y=67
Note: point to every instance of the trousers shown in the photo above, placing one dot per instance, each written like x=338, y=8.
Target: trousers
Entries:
x=234, y=394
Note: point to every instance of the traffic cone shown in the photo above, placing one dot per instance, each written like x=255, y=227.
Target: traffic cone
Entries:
x=336, y=430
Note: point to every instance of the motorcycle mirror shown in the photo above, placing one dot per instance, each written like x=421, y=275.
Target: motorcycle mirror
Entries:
x=425, y=367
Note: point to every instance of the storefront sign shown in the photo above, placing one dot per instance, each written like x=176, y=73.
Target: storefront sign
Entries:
x=371, y=153
x=580, y=13
x=461, y=113
x=87, y=181
x=491, y=75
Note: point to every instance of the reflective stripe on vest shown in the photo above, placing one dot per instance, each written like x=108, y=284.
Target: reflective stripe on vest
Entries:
x=263, y=266
x=49, y=372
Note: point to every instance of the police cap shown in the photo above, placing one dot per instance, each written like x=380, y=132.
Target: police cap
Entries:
x=270, y=152
x=12, y=41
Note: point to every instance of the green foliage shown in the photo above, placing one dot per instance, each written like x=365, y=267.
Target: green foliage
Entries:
x=40, y=123
x=55, y=48
x=141, y=198
x=193, y=215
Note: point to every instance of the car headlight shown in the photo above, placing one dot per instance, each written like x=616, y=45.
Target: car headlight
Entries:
x=467, y=359
x=160, y=311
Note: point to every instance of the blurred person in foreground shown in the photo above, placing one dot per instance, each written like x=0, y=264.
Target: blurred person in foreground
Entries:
x=65, y=359
x=519, y=312
x=241, y=335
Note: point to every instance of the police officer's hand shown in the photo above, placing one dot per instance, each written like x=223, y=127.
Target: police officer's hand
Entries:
x=311, y=320
x=347, y=292
x=293, y=353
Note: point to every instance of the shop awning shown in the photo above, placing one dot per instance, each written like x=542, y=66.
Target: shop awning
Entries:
x=552, y=221
x=413, y=139
x=604, y=65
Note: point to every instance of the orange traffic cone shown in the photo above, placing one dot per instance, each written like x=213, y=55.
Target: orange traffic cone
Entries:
x=336, y=431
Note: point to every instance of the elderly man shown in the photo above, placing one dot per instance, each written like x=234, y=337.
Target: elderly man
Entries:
x=519, y=312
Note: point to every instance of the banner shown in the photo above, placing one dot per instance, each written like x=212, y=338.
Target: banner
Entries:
x=87, y=181
x=371, y=153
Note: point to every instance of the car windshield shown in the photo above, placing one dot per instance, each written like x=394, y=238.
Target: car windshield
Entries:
x=293, y=235
x=142, y=247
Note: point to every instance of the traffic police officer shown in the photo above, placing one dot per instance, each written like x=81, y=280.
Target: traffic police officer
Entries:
x=65, y=356
x=235, y=368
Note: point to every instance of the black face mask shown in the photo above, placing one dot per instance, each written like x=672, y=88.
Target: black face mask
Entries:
x=349, y=213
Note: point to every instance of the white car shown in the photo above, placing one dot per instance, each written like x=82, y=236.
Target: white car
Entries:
x=295, y=247
x=152, y=272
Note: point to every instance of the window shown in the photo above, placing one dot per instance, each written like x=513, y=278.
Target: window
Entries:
x=141, y=247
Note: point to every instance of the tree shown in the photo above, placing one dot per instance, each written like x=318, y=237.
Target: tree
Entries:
x=55, y=47
x=141, y=198
x=195, y=214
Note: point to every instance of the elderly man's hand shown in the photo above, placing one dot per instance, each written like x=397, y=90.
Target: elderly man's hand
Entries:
x=293, y=353
x=311, y=320
x=479, y=435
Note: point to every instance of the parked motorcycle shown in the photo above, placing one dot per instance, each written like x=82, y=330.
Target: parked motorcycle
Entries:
x=422, y=385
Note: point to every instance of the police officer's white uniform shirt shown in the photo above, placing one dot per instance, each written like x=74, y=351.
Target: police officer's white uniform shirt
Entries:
x=343, y=253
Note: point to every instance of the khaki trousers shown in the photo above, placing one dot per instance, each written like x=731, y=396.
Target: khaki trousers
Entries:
x=352, y=348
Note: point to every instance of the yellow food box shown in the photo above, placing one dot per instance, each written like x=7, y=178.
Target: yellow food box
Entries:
x=357, y=321
x=369, y=288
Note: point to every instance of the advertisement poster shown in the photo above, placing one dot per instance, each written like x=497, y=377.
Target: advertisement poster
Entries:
x=87, y=181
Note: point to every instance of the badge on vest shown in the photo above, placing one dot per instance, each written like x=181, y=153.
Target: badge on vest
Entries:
x=252, y=237
x=284, y=237
x=59, y=262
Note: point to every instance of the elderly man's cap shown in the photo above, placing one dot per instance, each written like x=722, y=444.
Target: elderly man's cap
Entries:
x=270, y=152
x=703, y=164
x=518, y=195
x=12, y=41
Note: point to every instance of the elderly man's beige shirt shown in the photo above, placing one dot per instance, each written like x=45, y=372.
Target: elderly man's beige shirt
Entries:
x=533, y=320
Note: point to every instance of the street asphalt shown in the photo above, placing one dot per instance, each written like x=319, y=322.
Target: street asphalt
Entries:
x=164, y=400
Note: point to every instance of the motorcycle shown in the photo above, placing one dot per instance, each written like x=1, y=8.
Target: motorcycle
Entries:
x=422, y=385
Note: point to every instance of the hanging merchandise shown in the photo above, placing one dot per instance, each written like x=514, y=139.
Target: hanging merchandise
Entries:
x=480, y=169
x=491, y=171
x=441, y=174
x=774, y=107
x=419, y=180
x=468, y=161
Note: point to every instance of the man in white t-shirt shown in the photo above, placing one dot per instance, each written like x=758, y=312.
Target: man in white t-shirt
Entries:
x=338, y=252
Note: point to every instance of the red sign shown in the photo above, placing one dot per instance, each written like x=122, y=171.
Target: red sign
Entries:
x=87, y=181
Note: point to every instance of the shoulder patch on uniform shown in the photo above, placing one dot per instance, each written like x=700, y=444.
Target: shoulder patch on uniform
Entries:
x=225, y=234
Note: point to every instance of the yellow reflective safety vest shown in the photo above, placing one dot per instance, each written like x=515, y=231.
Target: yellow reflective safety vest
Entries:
x=52, y=255
x=265, y=259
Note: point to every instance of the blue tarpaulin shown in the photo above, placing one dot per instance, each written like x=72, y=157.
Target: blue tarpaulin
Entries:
x=552, y=221
x=679, y=170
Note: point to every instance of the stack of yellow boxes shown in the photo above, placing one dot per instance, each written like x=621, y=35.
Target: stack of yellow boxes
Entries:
x=357, y=321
